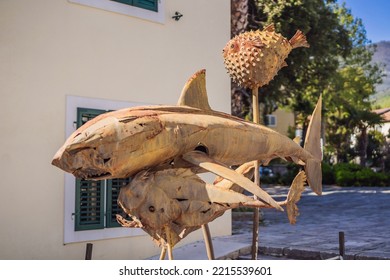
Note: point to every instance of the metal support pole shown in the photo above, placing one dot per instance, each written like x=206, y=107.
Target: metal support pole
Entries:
x=256, y=214
x=341, y=245
x=88, y=251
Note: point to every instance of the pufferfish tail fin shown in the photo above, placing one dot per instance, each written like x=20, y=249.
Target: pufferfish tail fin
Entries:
x=299, y=40
x=269, y=28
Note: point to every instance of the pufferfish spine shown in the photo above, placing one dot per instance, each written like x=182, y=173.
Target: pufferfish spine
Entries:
x=253, y=58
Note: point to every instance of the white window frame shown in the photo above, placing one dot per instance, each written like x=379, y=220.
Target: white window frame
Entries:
x=70, y=235
x=269, y=117
x=128, y=10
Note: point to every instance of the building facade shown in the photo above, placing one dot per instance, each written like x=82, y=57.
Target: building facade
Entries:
x=281, y=120
x=61, y=62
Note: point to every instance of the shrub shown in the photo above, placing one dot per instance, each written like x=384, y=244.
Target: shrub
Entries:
x=350, y=174
x=328, y=176
x=367, y=177
x=364, y=177
x=352, y=167
x=345, y=178
x=292, y=171
x=341, y=174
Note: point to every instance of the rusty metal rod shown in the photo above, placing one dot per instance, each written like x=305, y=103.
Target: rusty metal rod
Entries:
x=341, y=245
x=256, y=215
x=88, y=251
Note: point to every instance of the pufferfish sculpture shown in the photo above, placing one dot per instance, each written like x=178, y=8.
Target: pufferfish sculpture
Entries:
x=253, y=58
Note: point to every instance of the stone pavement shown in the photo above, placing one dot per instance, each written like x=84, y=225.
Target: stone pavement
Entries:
x=362, y=213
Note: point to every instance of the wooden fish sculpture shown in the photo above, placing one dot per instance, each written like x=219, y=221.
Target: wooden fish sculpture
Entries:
x=122, y=143
x=171, y=203
x=253, y=58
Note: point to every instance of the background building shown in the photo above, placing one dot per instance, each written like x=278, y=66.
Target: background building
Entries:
x=57, y=56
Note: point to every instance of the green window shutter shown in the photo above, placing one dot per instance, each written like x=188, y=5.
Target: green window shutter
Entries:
x=95, y=208
x=86, y=114
x=128, y=2
x=89, y=208
x=89, y=205
x=151, y=5
x=113, y=188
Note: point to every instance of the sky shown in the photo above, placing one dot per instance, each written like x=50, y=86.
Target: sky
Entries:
x=375, y=15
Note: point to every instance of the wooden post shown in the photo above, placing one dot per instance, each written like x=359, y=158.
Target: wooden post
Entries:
x=341, y=245
x=88, y=251
x=256, y=215
x=208, y=242
x=169, y=243
x=170, y=254
x=163, y=252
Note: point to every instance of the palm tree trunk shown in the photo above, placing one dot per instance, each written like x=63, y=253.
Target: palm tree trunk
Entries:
x=239, y=16
x=239, y=24
x=363, y=143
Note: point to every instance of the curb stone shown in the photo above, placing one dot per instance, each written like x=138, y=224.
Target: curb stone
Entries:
x=299, y=254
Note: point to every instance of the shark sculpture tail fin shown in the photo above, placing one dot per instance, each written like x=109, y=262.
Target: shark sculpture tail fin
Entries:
x=313, y=146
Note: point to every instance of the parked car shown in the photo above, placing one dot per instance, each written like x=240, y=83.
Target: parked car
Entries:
x=266, y=172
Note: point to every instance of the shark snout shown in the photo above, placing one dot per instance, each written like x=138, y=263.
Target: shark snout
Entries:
x=65, y=161
x=56, y=161
x=82, y=161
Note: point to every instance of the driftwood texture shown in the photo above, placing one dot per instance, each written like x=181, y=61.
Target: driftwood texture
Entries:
x=122, y=143
x=170, y=204
x=174, y=143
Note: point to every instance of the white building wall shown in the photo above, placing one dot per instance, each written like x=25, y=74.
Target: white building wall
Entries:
x=50, y=49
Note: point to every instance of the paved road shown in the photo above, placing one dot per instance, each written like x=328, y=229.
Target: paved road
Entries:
x=362, y=213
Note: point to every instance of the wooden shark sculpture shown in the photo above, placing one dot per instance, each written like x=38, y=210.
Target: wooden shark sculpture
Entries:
x=189, y=135
x=169, y=204
x=122, y=143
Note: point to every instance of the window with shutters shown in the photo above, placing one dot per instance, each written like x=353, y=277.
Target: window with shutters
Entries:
x=143, y=4
x=270, y=120
x=96, y=201
x=152, y=10
x=113, y=188
x=91, y=206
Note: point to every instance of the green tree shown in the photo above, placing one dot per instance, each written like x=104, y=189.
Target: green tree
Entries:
x=377, y=149
x=337, y=65
x=299, y=85
x=348, y=94
x=350, y=115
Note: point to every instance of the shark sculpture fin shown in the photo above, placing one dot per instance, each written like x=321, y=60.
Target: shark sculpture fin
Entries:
x=294, y=195
x=191, y=187
x=194, y=93
x=204, y=161
x=246, y=169
x=221, y=195
x=297, y=140
x=313, y=145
